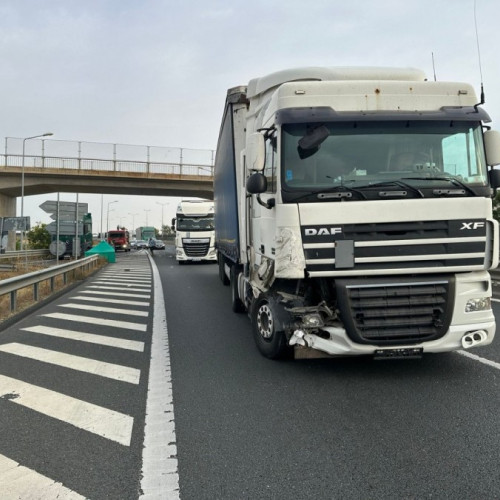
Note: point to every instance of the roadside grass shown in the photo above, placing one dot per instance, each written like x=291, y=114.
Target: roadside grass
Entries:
x=25, y=296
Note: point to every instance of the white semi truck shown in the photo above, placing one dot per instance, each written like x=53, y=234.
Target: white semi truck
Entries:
x=194, y=231
x=353, y=212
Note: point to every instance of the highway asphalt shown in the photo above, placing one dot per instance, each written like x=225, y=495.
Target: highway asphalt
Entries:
x=245, y=427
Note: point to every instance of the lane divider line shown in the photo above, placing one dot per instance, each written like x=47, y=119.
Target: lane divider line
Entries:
x=160, y=477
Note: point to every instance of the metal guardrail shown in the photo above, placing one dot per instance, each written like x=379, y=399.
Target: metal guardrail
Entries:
x=18, y=254
x=12, y=285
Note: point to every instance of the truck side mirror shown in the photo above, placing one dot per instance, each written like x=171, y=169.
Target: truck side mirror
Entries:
x=257, y=183
x=256, y=152
x=492, y=147
x=494, y=176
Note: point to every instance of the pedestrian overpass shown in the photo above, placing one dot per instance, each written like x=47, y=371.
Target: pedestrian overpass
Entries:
x=41, y=166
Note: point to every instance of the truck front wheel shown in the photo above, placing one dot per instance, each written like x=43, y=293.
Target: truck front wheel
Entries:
x=267, y=331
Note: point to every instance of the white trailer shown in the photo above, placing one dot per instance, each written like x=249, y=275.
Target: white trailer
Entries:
x=194, y=231
x=353, y=212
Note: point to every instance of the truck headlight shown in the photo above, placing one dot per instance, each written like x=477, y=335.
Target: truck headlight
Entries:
x=481, y=304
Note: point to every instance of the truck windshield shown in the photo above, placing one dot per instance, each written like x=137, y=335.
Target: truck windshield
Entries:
x=195, y=223
x=358, y=155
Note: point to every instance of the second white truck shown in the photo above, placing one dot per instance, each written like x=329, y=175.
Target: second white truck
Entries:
x=194, y=231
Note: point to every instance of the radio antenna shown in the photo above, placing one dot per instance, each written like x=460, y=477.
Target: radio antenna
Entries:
x=433, y=66
x=479, y=58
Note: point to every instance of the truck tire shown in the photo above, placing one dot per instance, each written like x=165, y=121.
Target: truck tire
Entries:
x=237, y=304
x=268, y=335
x=222, y=273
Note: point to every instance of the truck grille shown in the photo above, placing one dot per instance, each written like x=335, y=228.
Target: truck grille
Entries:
x=389, y=313
x=196, y=248
x=400, y=247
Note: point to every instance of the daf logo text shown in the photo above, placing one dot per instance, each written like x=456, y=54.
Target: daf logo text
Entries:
x=323, y=231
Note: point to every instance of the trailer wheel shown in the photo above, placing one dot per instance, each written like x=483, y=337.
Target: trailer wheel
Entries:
x=268, y=335
x=237, y=304
x=222, y=272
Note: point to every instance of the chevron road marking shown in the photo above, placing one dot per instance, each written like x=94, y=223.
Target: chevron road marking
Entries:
x=117, y=294
x=112, y=301
x=92, y=338
x=112, y=310
x=106, y=423
x=98, y=321
x=117, y=287
x=87, y=365
x=20, y=482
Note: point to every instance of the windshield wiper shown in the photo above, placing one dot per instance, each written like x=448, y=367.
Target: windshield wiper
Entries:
x=399, y=183
x=339, y=192
x=453, y=180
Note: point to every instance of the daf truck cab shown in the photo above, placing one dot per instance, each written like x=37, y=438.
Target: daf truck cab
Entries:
x=354, y=212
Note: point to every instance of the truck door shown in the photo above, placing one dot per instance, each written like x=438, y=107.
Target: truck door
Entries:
x=262, y=219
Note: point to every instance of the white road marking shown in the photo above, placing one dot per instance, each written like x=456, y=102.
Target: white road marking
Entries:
x=131, y=345
x=118, y=287
x=87, y=365
x=118, y=294
x=160, y=477
x=119, y=274
x=98, y=321
x=120, y=280
x=124, y=284
x=112, y=301
x=475, y=357
x=495, y=300
x=112, y=310
x=19, y=482
x=106, y=423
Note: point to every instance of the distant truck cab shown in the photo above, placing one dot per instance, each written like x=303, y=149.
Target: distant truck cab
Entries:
x=120, y=239
x=194, y=226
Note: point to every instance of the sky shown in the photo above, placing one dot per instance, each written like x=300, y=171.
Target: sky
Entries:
x=156, y=72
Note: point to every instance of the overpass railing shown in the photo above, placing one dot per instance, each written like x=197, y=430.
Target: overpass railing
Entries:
x=107, y=157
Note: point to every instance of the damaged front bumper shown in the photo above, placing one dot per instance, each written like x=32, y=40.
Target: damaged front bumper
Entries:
x=334, y=341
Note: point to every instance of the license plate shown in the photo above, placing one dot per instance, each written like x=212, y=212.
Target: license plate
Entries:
x=409, y=353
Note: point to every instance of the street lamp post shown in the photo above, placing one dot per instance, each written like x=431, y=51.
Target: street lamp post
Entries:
x=162, y=206
x=22, y=176
x=147, y=210
x=107, y=217
x=133, y=221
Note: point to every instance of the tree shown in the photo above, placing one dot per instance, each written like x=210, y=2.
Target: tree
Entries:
x=496, y=206
x=167, y=231
x=38, y=237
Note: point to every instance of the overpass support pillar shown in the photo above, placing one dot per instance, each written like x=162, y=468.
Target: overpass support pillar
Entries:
x=7, y=206
x=8, y=209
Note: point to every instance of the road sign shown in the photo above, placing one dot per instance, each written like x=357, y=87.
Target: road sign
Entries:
x=64, y=206
x=65, y=227
x=14, y=224
x=67, y=216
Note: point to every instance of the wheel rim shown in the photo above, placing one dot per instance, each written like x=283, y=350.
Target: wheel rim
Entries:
x=265, y=322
